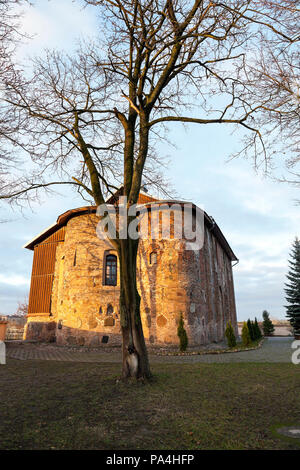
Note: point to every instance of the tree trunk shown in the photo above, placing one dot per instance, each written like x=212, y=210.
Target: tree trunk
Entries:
x=135, y=356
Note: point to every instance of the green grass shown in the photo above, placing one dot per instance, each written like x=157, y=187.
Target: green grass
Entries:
x=253, y=344
x=63, y=405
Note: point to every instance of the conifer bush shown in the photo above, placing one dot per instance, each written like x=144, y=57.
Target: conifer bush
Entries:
x=257, y=330
x=251, y=329
x=182, y=335
x=268, y=327
x=230, y=336
x=292, y=289
x=246, y=339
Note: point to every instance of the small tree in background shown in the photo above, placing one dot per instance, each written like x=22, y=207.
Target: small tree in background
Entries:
x=257, y=330
x=246, y=339
x=293, y=288
x=183, y=339
x=251, y=329
x=22, y=309
x=230, y=336
x=268, y=327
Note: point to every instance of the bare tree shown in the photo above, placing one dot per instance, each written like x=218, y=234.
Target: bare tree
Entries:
x=22, y=309
x=10, y=36
x=276, y=75
x=96, y=116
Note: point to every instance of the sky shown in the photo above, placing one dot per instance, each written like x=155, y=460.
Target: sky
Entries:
x=258, y=216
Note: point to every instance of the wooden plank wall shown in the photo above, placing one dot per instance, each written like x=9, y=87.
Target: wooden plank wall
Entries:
x=43, y=272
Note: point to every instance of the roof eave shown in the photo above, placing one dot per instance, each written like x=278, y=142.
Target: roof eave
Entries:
x=66, y=216
x=47, y=232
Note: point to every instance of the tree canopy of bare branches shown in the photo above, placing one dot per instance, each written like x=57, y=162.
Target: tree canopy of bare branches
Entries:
x=92, y=120
x=9, y=38
x=276, y=83
x=8, y=31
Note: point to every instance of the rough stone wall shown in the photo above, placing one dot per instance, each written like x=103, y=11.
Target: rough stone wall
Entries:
x=83, y=307
x=15, y=326
x=163, y=290
x=197, y=284
x=40, y=328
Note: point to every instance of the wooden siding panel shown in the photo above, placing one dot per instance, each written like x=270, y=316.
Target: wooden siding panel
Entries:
x=40, y=294
x=44, y=259
x=144, y=199
x=43, y=273
x=57, y=236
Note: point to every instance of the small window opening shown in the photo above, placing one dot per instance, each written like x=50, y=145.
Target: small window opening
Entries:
x=111, y=270
x=153, y=257
x=75, y=258
x=109, y=310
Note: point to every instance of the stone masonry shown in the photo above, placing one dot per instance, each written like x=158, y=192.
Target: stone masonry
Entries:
x=198, y=284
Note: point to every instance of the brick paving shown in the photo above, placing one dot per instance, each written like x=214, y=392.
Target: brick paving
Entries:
x=273, y=350
x=45, y=352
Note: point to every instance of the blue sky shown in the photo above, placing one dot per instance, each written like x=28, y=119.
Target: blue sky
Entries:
x=258, y=216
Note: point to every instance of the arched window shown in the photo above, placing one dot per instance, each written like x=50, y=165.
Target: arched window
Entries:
x=109, y=310
x=111, y=270
x=153, y=257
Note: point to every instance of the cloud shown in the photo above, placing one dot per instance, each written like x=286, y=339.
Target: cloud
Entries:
x=16, y=262
x=258, y=194
x=10, y=296
x=14, y=280
x=257, y=215
x=55, y=24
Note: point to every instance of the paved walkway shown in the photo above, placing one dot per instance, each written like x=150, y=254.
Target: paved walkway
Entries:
x=273, y=350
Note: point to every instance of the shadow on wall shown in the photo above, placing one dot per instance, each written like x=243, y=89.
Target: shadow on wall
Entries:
x=148, y=297
x=51, y=332
x=41, y=331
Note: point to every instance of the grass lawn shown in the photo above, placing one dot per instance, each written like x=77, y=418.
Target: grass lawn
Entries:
x=65, y=405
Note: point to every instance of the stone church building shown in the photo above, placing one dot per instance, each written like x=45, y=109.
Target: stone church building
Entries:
x=74, y=293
